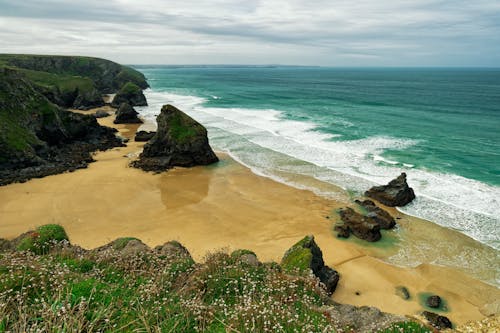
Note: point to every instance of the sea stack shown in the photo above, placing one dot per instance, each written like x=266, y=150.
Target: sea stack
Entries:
x=179, y=141
x=396, y=193
x=127, y=115
x=129, y=93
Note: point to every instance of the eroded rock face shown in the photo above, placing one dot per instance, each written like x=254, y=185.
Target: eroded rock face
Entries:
x=306, y=255
x=363, y=227
x=377, y=214
x=396, y=193
x=179, y=141
x=127, y=115
x=131, y=94
x=172, y=249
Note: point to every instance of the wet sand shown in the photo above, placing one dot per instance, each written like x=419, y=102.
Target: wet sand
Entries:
x=226, y=206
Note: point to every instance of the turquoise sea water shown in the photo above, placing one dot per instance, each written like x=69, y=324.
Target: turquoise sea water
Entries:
x=355, y=128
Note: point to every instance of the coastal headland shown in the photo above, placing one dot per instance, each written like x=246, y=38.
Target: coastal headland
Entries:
x=226, y=206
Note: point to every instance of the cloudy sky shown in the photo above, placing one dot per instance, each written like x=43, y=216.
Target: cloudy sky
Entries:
x=299, y=32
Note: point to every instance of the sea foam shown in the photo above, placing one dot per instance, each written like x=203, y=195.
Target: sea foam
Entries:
x=250, y=135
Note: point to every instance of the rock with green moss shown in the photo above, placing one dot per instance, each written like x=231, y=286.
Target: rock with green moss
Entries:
x=131, y=94
x=306, y=256
x=37, y=138
x=179, y=141
x=42, y=239
x=173, y=249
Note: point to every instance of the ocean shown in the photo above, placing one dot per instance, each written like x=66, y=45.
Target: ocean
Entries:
x=354, y=128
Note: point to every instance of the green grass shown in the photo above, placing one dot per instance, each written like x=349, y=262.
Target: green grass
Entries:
x=64, y=83
x=120, y=243
x=407, y=327
x=42, y=239
x=130, y=88
x=297, y=258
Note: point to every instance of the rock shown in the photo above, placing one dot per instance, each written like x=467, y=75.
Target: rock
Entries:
x=134, y=246
x=101, y=114
x=439, y=322
x=377, y=214
x=403, y=292
x=172, y=249
x=89, y=99
x=396, y=193
x=433, y=301
x=131, y=94
x=127, y=115
x=179, y=141
x=491, y=309
x=143, y=136
x=360, y=226
x=306, y=255
x=362, y=319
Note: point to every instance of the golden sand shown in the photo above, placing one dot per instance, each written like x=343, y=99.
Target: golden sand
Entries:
x=225, y=206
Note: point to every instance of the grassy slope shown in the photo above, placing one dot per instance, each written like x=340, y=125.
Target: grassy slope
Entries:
x=115, y=290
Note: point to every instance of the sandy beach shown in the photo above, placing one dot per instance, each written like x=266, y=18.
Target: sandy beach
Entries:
x=226, y=206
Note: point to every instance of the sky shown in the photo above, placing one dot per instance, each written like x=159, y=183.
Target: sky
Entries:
x=289, y=32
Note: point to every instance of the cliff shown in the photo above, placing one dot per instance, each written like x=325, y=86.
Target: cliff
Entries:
x=37, y=138
x=73, y=81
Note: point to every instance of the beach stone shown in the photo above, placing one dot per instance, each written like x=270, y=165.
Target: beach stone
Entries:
x=305, y=256
x=101, y=114
x=129, y=93
x=377, y=214
x=172, y=249
x=143, y=136
x=127, y=115
x=396, y=193
x=134, y=246
x=179, y=141
x=438, y=321
x=360, y=226
x=433, y=301
x=403, y=292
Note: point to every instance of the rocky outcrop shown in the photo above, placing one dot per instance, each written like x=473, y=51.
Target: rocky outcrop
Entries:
x=101, y=114
x=130, y=94
x=377, y=214
x=360, y=226
x=433, y=301
x=172, y=249
x=439, y=322
x=126, y=115
x=306, y=255
x=396, y=193
x=144, y=136
x=37, y=138
x=179, y=141
x=89, y=99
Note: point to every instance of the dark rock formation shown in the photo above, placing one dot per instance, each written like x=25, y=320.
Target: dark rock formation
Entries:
x=433, y=301
x=306, y=255
x=403, y=292
x=130, y=94
x=360, y=226
x=179, y=141
x=396, y=193
x=89, y=99
x=439, y=322
x=101, y=114
x=377, y=214
x=39, y=139
x=143, y=136
x=127, y=115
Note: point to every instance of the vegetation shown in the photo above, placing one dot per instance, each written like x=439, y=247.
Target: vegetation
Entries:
x=297, y=258
x=69, y=289
x=182, y=128
x=43, y=238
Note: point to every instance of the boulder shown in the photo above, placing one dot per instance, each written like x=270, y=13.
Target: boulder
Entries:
x=89, y=99
x=433, y=301
x=129, y=93
x=396, y=193
x=179, y=141
x=172, y=249
x=306, y=255
x=127, y=115
x=439, y=322
x=360, y=226
x=101, y=114
x=143, y=136
x=377, y=214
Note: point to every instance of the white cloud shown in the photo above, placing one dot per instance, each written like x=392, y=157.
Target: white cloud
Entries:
x=424, y=32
